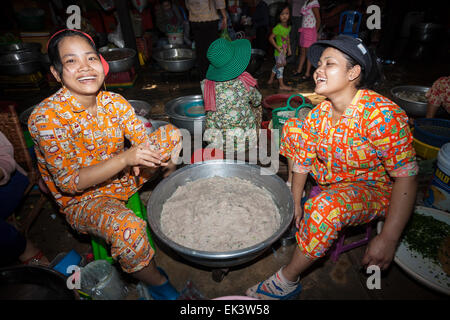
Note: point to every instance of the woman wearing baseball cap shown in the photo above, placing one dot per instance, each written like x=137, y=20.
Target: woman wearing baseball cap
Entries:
x=357, y=147
x=79, y=134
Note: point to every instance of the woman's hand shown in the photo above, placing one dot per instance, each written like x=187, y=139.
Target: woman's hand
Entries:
x=143, y=156
x=298, y=216
x=381, y=249
x=380, y=252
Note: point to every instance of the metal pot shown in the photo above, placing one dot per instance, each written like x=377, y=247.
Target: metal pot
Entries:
x=224, y=168
x=427, y=32
x=256, y=60
x=141, y=108
x=126, y=61
x=34, y=283
x=20, y=63
x=411, y=107
x=20, y=47
x=175, y=59
x=175, y=109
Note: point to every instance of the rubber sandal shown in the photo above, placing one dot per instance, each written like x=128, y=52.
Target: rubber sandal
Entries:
x=289, y=296
x=35, y=260
x=164, y=291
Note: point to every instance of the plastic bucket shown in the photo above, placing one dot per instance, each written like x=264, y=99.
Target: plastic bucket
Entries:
x=438, y=194
x=101, y=281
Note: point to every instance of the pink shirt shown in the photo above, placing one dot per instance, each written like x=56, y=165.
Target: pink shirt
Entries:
x=309, y=19
x=297, y=7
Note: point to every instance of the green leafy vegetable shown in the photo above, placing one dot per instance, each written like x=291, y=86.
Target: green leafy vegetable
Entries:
x=425, y=235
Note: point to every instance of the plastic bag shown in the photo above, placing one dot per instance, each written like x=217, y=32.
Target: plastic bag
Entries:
x=224, y=34
x=281, y=59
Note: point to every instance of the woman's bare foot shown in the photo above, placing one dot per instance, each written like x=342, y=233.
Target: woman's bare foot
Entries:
x=286, y=88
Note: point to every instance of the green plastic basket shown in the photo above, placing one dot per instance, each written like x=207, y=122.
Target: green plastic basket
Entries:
x=281, y=115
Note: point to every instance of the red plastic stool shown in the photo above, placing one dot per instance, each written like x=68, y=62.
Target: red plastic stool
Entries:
x=206, y=154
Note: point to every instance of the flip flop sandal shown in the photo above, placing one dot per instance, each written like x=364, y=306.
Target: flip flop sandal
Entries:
x=164, y=291
x=289, y=296
x=34, y=260
x=306, y=78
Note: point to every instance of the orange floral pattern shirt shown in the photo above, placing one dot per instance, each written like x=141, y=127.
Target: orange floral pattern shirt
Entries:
x=67, y=138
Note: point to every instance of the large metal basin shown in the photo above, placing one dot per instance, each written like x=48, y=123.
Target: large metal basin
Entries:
x=224, y=168
x=175, y=109
x=175, y=59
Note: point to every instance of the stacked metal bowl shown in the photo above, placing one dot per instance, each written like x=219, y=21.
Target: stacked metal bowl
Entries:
x=20, y=58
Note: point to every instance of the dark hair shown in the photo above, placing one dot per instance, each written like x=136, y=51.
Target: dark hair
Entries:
x=280, y=8
x=53, y=49
x=368, y=78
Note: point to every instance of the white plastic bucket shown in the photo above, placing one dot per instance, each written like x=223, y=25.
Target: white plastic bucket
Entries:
x=175, y=38
x=438, y=194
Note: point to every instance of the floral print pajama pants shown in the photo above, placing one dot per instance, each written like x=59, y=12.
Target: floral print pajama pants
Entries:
x=342, y=205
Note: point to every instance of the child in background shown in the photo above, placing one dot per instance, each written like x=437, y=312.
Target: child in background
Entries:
x=279, y=38
x=308, y=34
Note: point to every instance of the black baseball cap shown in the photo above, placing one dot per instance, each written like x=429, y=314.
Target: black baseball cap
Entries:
x=353, y=47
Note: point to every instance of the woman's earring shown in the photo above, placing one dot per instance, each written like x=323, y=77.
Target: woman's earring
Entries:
x=104, y=85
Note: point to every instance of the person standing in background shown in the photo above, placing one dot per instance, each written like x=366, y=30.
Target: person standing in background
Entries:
x=261, y=22
x=308, y=34
x=437, y=96
x=204, y=18
x=296, y=21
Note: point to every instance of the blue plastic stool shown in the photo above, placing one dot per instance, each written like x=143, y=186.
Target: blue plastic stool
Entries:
x=350, y=20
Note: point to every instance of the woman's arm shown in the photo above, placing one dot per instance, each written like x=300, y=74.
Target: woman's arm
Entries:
x=381, y=249
x=316, y=12
x=224, y=19
x=298, y=185
x=273, y=43
x=140, y=155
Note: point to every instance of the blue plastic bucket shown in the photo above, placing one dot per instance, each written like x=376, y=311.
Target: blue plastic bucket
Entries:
x=435, y=132
x=438, y=194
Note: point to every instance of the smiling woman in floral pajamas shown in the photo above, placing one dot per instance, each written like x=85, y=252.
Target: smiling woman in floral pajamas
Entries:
x=357, y=146
x=79, y=134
